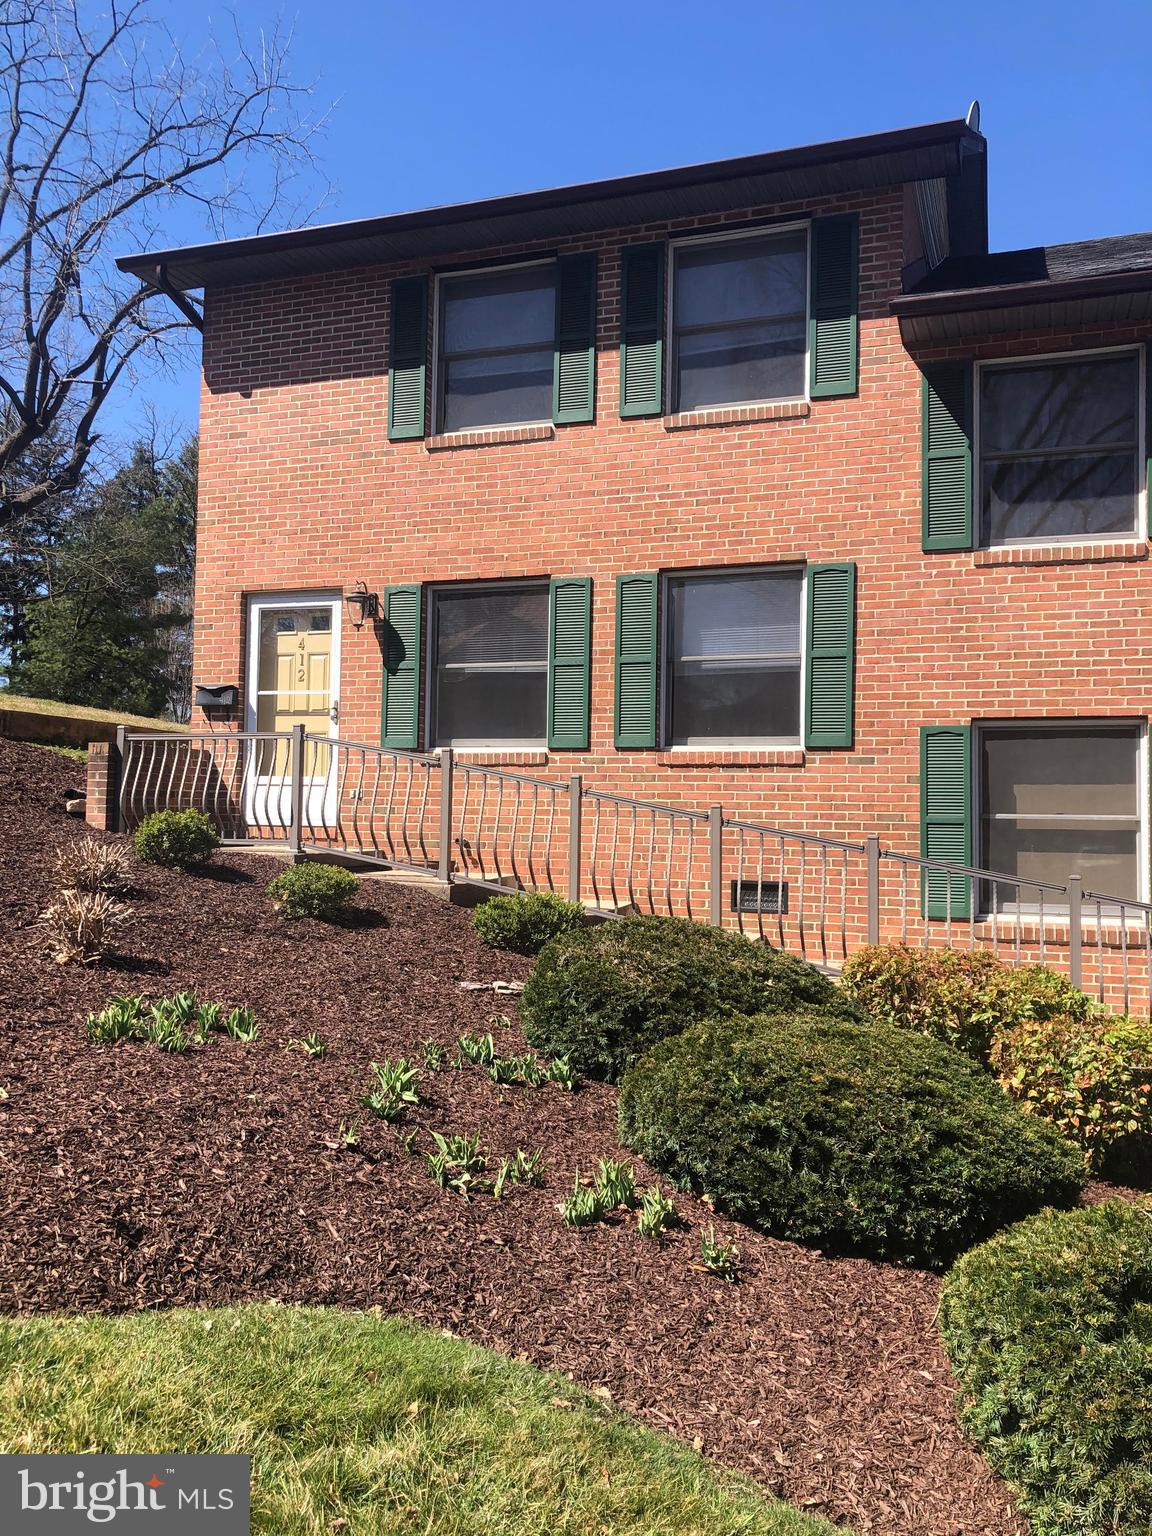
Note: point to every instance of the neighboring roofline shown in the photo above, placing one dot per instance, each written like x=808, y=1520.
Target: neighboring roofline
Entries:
x=194, y=263
x=1003, y=295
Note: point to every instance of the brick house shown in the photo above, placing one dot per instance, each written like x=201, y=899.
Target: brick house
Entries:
x=760, y=483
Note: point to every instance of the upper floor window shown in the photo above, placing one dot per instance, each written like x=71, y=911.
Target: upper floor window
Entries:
x=1059, y=448
x=740, y=320
x=733, y=656
x=489, y=664
x=496, y=335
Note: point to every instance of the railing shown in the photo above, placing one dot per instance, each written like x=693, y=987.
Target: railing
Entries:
x=819, y=897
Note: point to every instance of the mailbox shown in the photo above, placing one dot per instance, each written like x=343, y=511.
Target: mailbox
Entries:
x=216, y=695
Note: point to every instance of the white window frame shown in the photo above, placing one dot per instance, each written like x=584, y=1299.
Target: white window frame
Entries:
x=524, y=744
x=1048, y=540
x=255, y=604
x=1057, y=911
x=444, y=279
x=665, y=659
x=730, y=237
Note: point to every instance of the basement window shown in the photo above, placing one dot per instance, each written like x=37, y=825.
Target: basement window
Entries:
x=1060, y=448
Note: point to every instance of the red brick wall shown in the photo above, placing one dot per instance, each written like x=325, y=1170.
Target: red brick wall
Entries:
x=301, y=489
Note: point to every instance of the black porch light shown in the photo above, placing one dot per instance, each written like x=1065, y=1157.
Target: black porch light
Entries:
x=362, y=604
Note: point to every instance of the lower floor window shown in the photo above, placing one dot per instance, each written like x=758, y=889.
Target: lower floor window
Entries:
x=733, y=672
x=1060, y=800
x=489, y=653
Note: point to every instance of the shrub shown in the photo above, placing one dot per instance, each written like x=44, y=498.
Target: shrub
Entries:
x=81, y=925
x=312, y=890
x=1049, y=1330
x=854, y=1138
x=958, y=996
x=603, y=995
x=176, y=839
x=1092, y=1078
x=90, y=865
x=525, y=922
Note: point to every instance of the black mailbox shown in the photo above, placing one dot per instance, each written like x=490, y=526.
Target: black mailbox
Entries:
x=216, y=696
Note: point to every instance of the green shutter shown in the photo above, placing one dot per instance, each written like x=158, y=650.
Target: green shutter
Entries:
x=401, y=703
x=946, y=445
x=831, y=657
x=636, y=651
x=946, y=816
x=642, y=330
x=574, y=357
x=569, y=661
x=407, y=358
x=833, y=329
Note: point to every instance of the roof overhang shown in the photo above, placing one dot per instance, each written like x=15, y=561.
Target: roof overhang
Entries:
x=845, y=165
x=929, y=319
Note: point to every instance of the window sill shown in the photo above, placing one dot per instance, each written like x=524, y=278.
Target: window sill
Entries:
x=731, y=757
x=487, y=437
x=1062, y=554
x=731, y=415
x=500, y=757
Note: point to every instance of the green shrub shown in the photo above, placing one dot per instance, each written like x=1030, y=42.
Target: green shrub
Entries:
x=603, y=995
x=962, y=997
x=524, y=923
x=1092, y=1078
x=854, y=1138
x=1049, y=1330
x=176, y=839
x=312, y=890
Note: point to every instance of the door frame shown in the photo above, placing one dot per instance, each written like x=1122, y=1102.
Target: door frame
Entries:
x=320, y=800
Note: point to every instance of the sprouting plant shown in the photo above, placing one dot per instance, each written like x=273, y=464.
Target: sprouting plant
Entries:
x=499, y=1021
x=655, y=1214
x=207, y=1020
x=517, y=1069
x=434, y=1054
x=163, y=1031
x=720, y=1256
x=528, y=1167
x=480, y=1050
x=121, y=1019
x=503, y=1174
x=615, y=1183
x=395, y=1088
x=183, y=1009
x=408, y=1142
x=560, y=1071
x=241, y=1025
x=349, y=1134
x=456, y=1162
x=311, y=1045
x=583, y=1206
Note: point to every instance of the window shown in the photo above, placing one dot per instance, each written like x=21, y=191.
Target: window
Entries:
x=734, y=657
x=1059, y=444
x=489, y=664
x=740, y=320
x=1059, y=801
x=497, y=331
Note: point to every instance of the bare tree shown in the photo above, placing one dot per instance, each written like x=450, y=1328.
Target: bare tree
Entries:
x=107, y=130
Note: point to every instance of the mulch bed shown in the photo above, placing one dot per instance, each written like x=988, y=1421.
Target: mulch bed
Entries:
x=137, y=1179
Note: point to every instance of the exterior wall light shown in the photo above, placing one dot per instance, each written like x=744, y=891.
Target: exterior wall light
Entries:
x=362, y=605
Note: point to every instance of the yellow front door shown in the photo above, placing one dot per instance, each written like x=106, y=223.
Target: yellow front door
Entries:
x=295, y=684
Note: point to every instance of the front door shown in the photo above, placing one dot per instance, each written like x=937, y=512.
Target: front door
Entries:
x=293, y=672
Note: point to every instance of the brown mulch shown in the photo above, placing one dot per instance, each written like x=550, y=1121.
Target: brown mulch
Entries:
x=137, y=1179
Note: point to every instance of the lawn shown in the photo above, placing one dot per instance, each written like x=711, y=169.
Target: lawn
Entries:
x=137, y=1180
x=366, y=1419
x=25, y=705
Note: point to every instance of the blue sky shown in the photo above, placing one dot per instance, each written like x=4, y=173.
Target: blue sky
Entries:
x=440, y=103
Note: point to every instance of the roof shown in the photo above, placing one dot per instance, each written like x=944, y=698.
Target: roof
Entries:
x=1084, y=282
x=844, y=165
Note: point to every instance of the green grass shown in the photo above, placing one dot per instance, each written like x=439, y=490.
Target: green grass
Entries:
x=74, y=754
x=21, y=703
x=367, y=1419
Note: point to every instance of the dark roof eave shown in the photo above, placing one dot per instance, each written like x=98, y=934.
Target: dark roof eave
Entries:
x=932, y=149
x=1004, y=296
